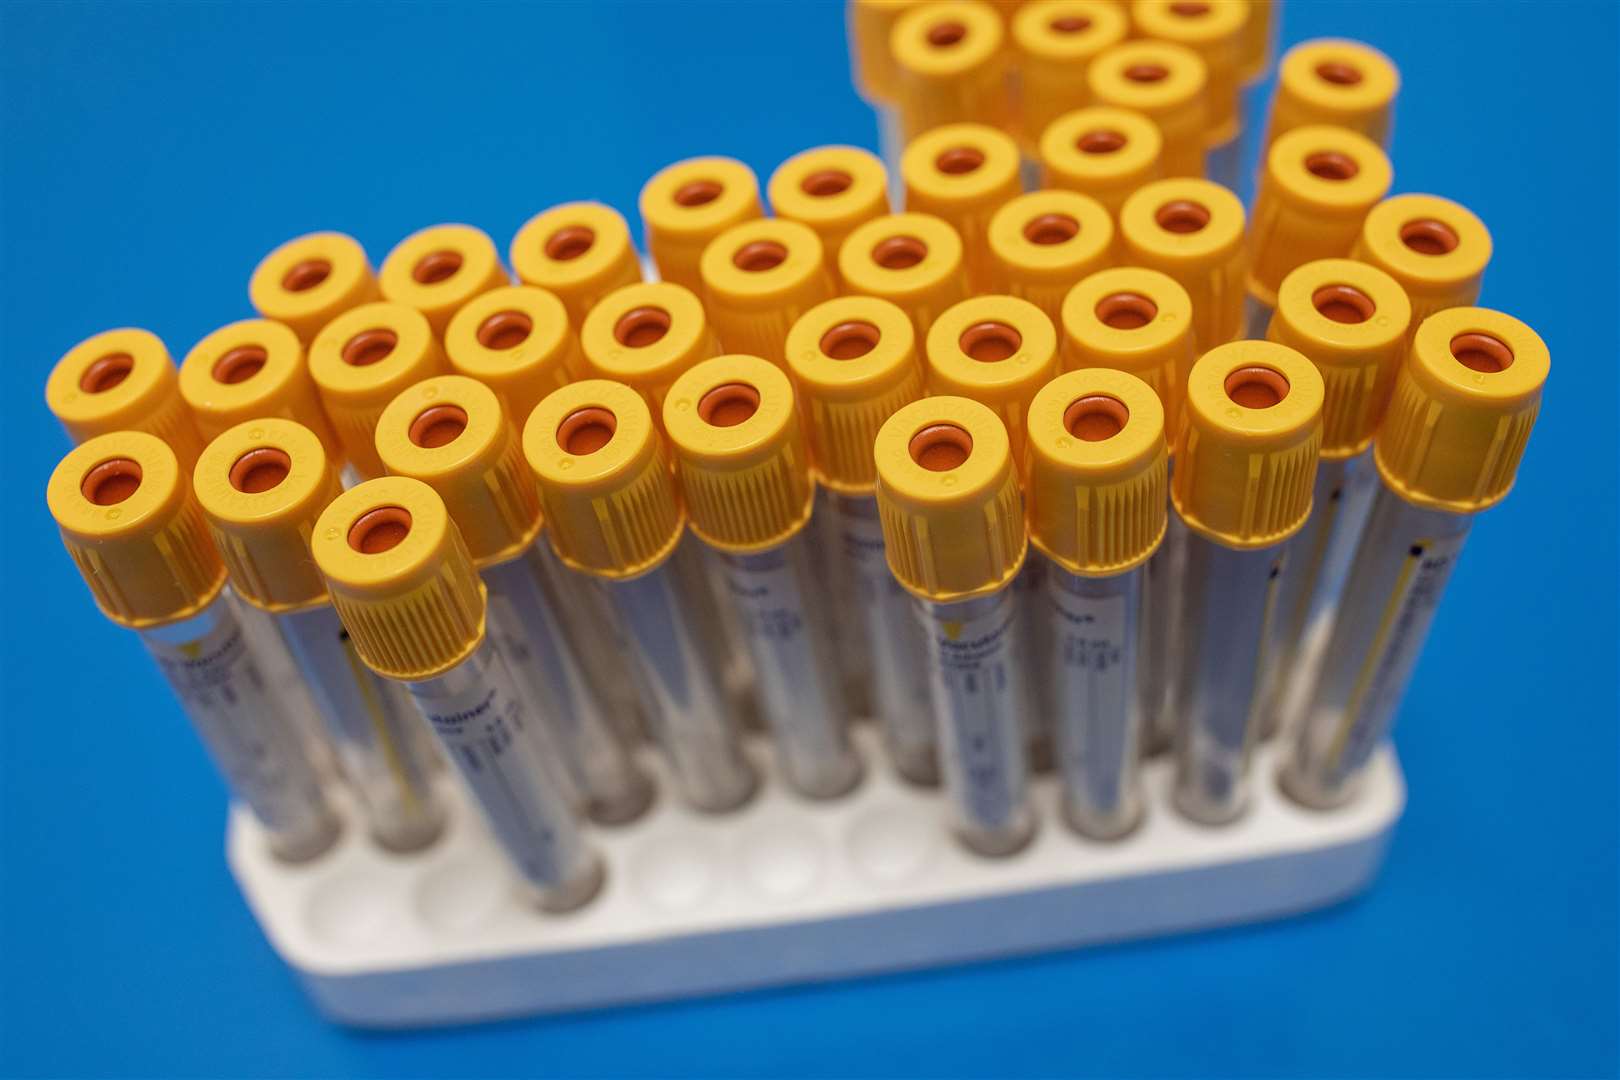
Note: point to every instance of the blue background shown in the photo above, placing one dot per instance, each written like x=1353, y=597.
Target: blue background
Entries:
x=153, y=153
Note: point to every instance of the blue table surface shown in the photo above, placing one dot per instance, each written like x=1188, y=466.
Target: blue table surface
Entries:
x=153, y=153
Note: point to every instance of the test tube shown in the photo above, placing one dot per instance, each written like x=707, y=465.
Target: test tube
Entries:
x=912, y=260
x=831, y=189
x=1318, y=184
x=743, y=467
x=128, y=519
x=252, y=369
x=122, y=380
x=1044, y=242
x=360, y=361
x=261, y=485
x=1103, y=152
x=311, y=280
x=689, y=203
x=1193, y=231
x=438, y=269
x=1140, y=321
x=450, y=433
x=758, y=277
x=579, y=252
x=963, y=173
x=1458, y=421
x=614, y=513
x=517, y=340
x=1434, y=247
x=1245, y=462
x=1330, y=81
x=854, y=362
x=1054, y=41
x=871, y=63
x=1165, y=82
x=1214, y=30
x=645, y=336
x=950, y=65
x=412, y=602
x=1350, y=320
x=953, y=533
x=1096, y=503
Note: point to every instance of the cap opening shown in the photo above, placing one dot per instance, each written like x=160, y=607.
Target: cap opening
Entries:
x=436, y=266
x=570, y=242
x=1100, y=141
x=1182, y=216
x=698, y=193
x=240, y=364
x=826, y=182
x=1343, y=304
x=380, y=530
x=959, y=160
x=941, y=447
x=1069, y=24
x=1126, y=311
x=505, y=330
x=368, y=347
x=642, y=327
x=1331, y=165
x=1482, y=352
x=106, y=373
x=728, y=405
x=111, y=482
x=850, y=340
x=759, y=256
x=1147, y=73
x=306, y=275
x=991, y=342
x=1050, y=229
x=1338, y=73
x=1189, y=9
x=438, y=426
x=260, y=469
x=1426, y=236
x=1095, y=417
x=899, y=252
x=1256, y=387
x=585, y=431
x=945, y=34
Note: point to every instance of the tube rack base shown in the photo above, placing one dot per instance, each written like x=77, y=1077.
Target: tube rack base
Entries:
x=783, y=891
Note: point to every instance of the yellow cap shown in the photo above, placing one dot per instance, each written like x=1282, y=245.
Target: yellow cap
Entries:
x=963, y=173
x=517, y=341
x=580, y=251
x=1214, y=30
x=122, y=380
x=248, y=370
x=451, y=433
x=1434, y=247
x=645, y=336
x=1335, y=82
x=947, y=491
x=758, y=277
x=128, y=519
x=1101, y=151
x=309, y=281
x=1043, y=242
x=438, y=269
x=1462, y=410
x=261, y=485
x=689, y=203
x=997, y=350
x=1098, y=472
x=1254, y=55
x=831, y=189
x=400, y=578
x=1055, y=41
x=1164, y=82
x=853, y=362
x=360, y=361
x=912, y=260
x=1349, y=319
x=740, y=454
x=1247, y=448
x=1317, y=186
x=950, y=67
x=870, y=22
x=1193, y=231
x=605, y=482
x=1133, y=320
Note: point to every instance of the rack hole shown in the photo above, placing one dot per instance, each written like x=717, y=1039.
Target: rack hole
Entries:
x=1100, y=141
x=438, y=426
x=1095, y=417
x=585, y=431
x=1051, y=229
x=1338, y=73
x=1482, y=352
x=1147, y=73
x=1343, y=304
x=368, y=347
x=728, y=405
x=850, y=340
x=760, y=256
x=698, y=193
x=306, y=275
x=941, y=447
x=959, y=160
x=1069, y=24
x=380, y=530
x=1426, y=236
x=1182, y=216
x=641, y=327
x=240, y=364
x=436, y=266
x=505, y=330
x=106, y=373
x=111, y=482
x=260, y=469
x=826, y=182
x=1331, y=165
x=945, y=34
x=1256, y=387
x=570, y=242
x=1126, y=311
x=899, y=252
x=991, y=342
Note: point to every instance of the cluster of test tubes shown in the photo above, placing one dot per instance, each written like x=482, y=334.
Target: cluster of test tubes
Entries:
x=1032, y=481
